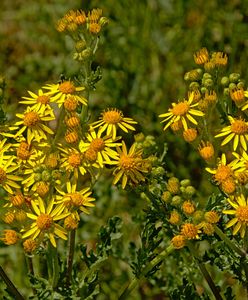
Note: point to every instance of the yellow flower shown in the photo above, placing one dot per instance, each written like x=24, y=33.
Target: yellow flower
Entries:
x=10, y=237
x=240, y=210
x=178, y=241
x=32, y=121
x=72, y=160
x=64, y=90
x=245, y=106
x=237, y=131
x=101, y=146
x=201, y=56
x=190, y=231
x=75, y=200
x=44, y=221
x=38, y=100
x=32, y=170
x=111, y=119
x=130, y=166
x=224, y=170
x=182, y=111
x=206, y=150
x=7, y=179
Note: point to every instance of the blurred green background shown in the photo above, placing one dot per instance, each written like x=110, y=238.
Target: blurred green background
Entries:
x=144, y=53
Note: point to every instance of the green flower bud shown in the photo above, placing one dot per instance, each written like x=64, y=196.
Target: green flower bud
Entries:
x=208, y=83
x=176, y=200
x=80, y=45
x=241, y=84
x=234, y=77
x=190, y=190
x=232, y=86
x=37, y=177
x=203, y=89
x=173, y=185
x=159, y=171
x=103, y=21
x=207, y=76
x=186, y=76
x=140, y=137
x=194, y=86
x=86, y=53
x=200, y=71
x=166, y=196
x=185, y=182
x=224, y=81
x=226, y=91
x=46, y=176
x=198, y=216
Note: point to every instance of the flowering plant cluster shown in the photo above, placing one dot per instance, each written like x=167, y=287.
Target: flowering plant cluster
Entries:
x=53, y=156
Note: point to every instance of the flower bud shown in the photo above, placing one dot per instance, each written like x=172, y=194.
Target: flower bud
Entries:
x=224, y=81
x=185, y=182
x=194, y=86
x=173, y=185
x=166, y=196
x=46, y=176
x=176, y=200
x=234, y=77
x=190, y=191
x=208, y=83
x=206, y=76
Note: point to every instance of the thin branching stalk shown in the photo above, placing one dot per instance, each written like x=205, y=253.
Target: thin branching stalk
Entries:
x=205, y=273
x=13, y=290
x=70, y=257
x=30, y=265
x=135, y=281
x=229, y=243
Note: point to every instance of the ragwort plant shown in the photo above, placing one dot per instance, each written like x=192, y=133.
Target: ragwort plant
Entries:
x=52, y=157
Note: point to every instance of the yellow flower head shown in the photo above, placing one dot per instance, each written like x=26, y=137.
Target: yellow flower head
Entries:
x=45, y=220
x=240, y=212
x=182, y=111
x=7, y=179
x=178, y=241
x=65, y=90
x=130, y=166
x=101, y=146
x=112, y=119
x=10, y=237
x=224, y=170
x=75, y=200
x=237, y=131
x=33, y=124
x=38, y=100
x=73, y=161
x=206, y=150
x=201, y=56
x=190, y=231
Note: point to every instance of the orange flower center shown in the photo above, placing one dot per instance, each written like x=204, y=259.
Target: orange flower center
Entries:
x=17, y=200
x=127, y=162
x=112, y=116
x=97, y=144
x=44, y=221
x=10, y=237
x=31, y=118
x=29, y=245
x=74, y=160
x=239, y=127
x=180, y=109
x=67, y=87
x=222, y=173
x=2, y=176
x=242, y=213
x=76, y=199
x=44, y=99
x=23, y=151
x=91, y=155
x=70, y=103
x=189, y=230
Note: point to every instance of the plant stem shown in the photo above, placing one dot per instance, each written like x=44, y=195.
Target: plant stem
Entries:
x=205, y=272
x=135, y=281
x=31, y=269
x=229, y=242
x=70, y=257
x=13, y=290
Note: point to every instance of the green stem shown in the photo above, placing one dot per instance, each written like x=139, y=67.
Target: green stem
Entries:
x=229, y=242
x=70, y=257
x=205, y=273
x=55, y=267
x=31, y=270
x=13, y=290
x=135, y=281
